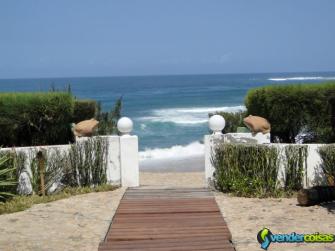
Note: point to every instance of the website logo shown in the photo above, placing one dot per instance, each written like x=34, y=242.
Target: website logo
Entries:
x=265, y=237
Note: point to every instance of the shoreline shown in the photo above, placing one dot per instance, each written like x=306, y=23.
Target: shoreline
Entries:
x=194, y=163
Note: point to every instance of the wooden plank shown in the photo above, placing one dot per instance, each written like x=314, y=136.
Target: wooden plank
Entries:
x=167, y=219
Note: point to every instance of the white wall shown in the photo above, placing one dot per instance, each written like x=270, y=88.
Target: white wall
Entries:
x=122, y=160
x=313, y=174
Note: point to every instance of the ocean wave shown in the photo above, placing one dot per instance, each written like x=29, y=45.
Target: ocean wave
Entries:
x=174, y=152
x=211, y=109
x=186, y=120
x=301, y=78
x=187, y=116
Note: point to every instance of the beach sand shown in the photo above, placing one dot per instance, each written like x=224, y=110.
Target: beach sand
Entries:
x=81, y=222
x=172, y=179
x=77, y=223
x=247, y=216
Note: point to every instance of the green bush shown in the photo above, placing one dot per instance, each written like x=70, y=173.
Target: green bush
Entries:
x=327, y=154
x=28, y=119
x=295, y=160
x=332, y=103
x=292, y=109
x=233, y=120
x=35, y=118
x=108, y=120
x=86, y=163
x=84, y=109
x=246, y=170
x=252, y=170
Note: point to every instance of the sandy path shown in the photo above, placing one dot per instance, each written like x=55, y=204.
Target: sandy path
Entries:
x=76, y=223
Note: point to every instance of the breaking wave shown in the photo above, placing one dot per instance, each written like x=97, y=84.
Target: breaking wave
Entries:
x=175, y=152
x=301, y=78
x=187, y=116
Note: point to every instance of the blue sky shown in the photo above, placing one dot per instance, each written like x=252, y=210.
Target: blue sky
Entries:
x=65, y=38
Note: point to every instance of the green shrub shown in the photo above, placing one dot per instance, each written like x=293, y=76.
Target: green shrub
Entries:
x=86, y=163
x=252, y=170
x=28, y=119
x=327, y=154
x=246, y=170
x=292, y=109
x=84, y=109
x=233, y=120
x=296, y=157
x=35, y=118
x=332, y=103
x=108, y=120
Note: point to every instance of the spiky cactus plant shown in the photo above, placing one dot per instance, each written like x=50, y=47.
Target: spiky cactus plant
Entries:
x=7, y=180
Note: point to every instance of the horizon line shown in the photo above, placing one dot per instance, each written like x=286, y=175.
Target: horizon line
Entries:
x=168, y=75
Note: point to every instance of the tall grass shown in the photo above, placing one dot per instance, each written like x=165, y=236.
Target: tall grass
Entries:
x=327, y=154
x=246, y=170
x=295, y=161
x=87, y=163
x=252, y=170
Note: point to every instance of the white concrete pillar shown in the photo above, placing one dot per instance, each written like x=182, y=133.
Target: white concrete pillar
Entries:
x=129, y=161
x=130, y=174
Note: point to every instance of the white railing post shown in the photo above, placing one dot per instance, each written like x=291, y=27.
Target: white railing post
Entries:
x=128, y=154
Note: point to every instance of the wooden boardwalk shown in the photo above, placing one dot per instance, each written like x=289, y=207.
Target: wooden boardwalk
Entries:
x=167, y=219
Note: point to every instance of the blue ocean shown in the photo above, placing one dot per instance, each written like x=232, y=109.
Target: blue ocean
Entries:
x=170, y=113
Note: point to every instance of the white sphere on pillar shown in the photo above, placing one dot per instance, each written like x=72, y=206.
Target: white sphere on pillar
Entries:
x=216, y=123
x=125, y=125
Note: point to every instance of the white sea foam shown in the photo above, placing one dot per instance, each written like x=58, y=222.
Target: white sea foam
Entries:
x=211, y=109
x=187, y=116
x=301, y=78
x=174, y=152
